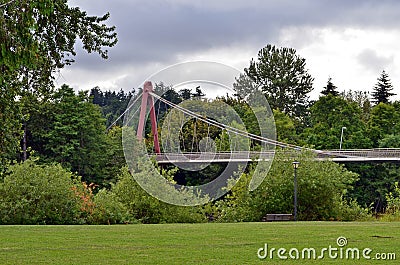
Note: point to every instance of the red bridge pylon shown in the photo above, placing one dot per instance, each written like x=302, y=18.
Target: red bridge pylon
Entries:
x=148, y=101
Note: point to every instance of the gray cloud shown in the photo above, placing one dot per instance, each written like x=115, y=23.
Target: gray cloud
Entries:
x=158, y=31
x=374, y=62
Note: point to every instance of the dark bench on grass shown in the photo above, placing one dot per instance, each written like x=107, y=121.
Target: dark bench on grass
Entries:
x=271, y=217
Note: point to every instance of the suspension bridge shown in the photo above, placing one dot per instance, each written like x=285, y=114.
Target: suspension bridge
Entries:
x=165, y=155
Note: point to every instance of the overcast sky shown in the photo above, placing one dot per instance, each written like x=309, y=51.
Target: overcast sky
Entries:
x=351, y=41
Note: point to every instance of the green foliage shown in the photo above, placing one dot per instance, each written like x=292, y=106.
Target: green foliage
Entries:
x=36, y=39
x=393, y=201
x=392, y=210
x=10, y=128
x=108, y=209
x=115, y=155
x=352, y=211
x=285, y=128
x=361, y=98
x=328, y=115
x=44, y=34
x=383, y=120
x=330, y=89
x=382, y=89
x=282, y=76
x=147, y=209
x=70, y=130
x=321, y=187
x=376, y=180
x=48, y=194
x=33, y=194
x=390, y=141
x=112, y=104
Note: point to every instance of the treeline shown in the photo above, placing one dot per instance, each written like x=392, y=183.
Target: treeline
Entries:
x=60, y=165
x=72, y=160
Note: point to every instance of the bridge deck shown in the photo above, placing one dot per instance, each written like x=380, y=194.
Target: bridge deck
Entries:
x=360, y=155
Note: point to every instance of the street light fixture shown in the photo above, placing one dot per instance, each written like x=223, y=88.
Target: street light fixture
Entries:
x=341, y=137
x=295, y=167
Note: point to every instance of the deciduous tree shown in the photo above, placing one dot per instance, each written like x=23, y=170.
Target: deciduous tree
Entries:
x=36, y=39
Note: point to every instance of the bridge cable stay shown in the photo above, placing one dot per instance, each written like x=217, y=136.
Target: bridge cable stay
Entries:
x=127, y=109
x=194, y=133
x=181, y=130
x=350, y=154
x=245, y=133
x=230, y=128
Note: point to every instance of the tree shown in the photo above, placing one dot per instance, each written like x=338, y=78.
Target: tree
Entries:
x=330, y=89
x=185, y=93
x=383, y=121
x=36, y=39
x=381, y=93
x=70, y=130
x=281, y=75
x=328, y=115
x=376, y=180
x=362, y=100
x=144, y=207
x=112, y=104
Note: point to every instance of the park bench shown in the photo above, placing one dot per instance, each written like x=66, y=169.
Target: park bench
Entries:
x=271, y=217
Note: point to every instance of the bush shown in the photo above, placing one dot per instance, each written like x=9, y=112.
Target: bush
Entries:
x=33, y=194
x=321, y=188
x=392, y=211
x=109, y=210
x=352, y=211
x=147, y=209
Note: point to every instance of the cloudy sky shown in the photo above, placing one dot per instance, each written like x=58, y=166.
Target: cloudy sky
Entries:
x=351, y=41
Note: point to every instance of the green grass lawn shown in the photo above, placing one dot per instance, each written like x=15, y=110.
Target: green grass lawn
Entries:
x=192, y=243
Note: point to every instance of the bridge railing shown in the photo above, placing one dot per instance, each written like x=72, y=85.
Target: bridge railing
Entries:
x=374, y=152
x=337, y=153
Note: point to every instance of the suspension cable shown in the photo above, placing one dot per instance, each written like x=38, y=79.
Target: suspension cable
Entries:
x=229, y=128
x=127, y=109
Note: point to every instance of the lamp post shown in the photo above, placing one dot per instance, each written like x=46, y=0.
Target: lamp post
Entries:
x=295, y=166
x=341, y=138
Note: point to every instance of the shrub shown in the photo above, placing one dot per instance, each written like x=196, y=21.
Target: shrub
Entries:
x=392, y=211
x=35, y=194
x=147, y=209
x=321, y=187
x=109, y=210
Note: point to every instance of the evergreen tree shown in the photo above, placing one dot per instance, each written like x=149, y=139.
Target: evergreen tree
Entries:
x=185, y=94
x=330, y=89
x=382, y=89
x=282, y=76
x=112, y=104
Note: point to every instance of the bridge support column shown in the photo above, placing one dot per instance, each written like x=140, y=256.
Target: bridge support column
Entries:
x=148, y=101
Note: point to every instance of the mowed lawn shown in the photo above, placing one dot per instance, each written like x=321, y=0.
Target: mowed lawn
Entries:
x=211, y=243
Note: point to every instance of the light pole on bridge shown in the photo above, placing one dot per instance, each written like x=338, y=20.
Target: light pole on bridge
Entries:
x=341, y=138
